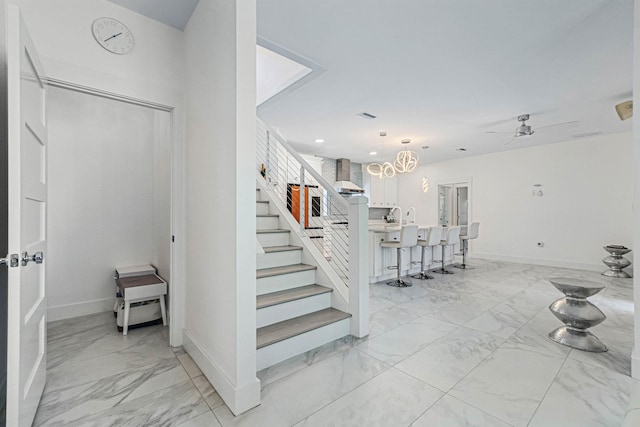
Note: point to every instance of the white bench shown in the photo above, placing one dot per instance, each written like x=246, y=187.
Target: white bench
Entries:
x=146, y=287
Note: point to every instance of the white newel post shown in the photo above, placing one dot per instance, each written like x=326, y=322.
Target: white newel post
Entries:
x=358, y=260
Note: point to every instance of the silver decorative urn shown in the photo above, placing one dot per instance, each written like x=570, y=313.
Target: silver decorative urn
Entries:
x=616, y=262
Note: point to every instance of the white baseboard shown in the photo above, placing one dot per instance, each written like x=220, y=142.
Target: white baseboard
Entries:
x=68, y=311
x=537, y=261
x=238, y=399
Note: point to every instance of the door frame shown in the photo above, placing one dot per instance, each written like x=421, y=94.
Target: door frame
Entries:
x=453, y=182
x=4, y=210
x=177, y=197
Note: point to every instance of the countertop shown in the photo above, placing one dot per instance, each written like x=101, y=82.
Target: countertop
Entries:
x=384, y=227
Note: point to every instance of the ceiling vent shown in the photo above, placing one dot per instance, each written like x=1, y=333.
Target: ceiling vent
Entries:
x=586, y=134
x=366, y=115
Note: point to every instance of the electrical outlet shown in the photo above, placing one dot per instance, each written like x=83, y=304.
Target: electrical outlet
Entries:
x=540, y=244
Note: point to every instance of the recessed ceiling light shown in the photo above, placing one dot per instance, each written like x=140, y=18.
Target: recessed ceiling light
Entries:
x=461, y=149
x=319, y=140
x=366, y=115
x=424, y=147
x=405, y=141
x=373, y=153
x=383, y=133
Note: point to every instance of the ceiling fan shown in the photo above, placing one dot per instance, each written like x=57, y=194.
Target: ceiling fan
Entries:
x=525, y=130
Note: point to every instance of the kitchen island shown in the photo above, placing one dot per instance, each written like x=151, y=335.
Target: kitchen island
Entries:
x=380, y=259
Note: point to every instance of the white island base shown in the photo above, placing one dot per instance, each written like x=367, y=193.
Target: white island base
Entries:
x=380, y=259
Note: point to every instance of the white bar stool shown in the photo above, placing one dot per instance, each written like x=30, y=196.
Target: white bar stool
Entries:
x=472, y=233
x=453, y=235
x=408, y=239
x=427, y=237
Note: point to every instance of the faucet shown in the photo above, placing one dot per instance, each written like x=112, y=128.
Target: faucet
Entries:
x=400, y=216
x=409, y=211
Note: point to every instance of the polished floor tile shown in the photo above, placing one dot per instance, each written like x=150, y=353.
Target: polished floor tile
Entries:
x=400, y=343
x=583, y=396
x=133, y=380
x=468, y=349
x=502, y=320
x=449, y=359
x=295, y=397
x=509, y=384
x=451, y=412
x=393, y=398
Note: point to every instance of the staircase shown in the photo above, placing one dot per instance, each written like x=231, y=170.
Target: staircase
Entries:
x=294, y=314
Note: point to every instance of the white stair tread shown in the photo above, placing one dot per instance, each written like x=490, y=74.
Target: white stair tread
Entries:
x=271, y=249
x=281, y=297
x=281, y=331
x=272, y=230
x=268, y=215
x=285, y=269
x=262, y=201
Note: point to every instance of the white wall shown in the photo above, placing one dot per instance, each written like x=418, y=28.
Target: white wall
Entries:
x=635, y=356
x=587, y=186
x=61, y=31
x=220, y=131
x=107, y=199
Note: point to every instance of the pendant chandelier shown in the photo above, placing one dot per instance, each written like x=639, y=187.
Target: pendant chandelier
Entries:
x=405, y=162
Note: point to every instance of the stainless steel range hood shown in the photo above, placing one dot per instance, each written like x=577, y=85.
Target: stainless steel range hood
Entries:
x=343, y=184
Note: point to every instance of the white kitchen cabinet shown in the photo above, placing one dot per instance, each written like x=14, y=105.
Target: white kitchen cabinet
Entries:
x=375, y=254
x=390, y=191
x=382, y=193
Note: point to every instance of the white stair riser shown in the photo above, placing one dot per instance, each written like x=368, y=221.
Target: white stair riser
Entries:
x=266, y=222
x=283, y=350
x=258, y=194
x=280, y=312
x=278, y=259
x=281, y=282
x=262, y=208
x=273, y=239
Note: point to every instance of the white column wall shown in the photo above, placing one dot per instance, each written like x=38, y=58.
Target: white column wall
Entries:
x=220, y=131
x=587, y=187
x=635, y=355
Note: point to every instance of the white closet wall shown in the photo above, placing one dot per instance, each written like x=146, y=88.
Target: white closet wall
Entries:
x=108, y=197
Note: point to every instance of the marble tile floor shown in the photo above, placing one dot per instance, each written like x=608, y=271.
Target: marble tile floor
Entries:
x=98, y=377
x=468, y=349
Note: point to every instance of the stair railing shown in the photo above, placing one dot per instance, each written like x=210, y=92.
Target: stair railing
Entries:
x=335, y=225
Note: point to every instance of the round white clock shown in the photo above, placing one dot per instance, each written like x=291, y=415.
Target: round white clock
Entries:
x=112, y=35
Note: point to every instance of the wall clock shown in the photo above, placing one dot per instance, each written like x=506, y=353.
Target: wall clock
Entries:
x=112, y=35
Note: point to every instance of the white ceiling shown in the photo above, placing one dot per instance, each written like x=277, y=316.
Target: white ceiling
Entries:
x=175, y=13
x=275, y=73
x=443, y=73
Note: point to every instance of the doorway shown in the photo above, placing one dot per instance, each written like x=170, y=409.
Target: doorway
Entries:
x=109, y=197
x=453, y=204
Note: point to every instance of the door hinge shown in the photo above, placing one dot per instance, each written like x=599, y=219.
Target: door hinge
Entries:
x=12, y=260
x=173, y=239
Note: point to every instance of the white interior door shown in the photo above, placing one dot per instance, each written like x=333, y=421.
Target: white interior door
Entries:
x=26, y=358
